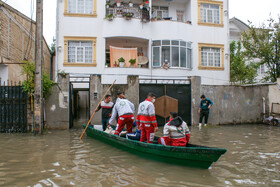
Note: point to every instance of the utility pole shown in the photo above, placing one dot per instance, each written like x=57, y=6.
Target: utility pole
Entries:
x=38, y=97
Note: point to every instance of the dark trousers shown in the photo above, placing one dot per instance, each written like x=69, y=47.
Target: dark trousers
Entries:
x=205, y=114
x=105, y=122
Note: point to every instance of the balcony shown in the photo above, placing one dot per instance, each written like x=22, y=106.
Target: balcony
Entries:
x=176, y=10
x=128, y=11
x=132, y=50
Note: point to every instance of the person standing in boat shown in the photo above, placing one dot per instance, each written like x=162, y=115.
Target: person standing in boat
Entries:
x=204, y=108
x=146, y=119
x=107, y=107
x=175, y=132
x=124, y=109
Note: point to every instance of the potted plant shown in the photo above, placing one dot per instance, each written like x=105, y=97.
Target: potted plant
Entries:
x=132, y=61
x=127, y=15
x=121, y=61
x=116, y=64
x=118, y=3
x=109, y=17
x=108, y=4
x=130, y=4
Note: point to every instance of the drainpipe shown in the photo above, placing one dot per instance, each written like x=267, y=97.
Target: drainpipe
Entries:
x=263, y=99
x=56, y=39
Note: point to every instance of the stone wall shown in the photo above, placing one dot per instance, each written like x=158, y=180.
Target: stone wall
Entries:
x=57, y=105
x=131, y=90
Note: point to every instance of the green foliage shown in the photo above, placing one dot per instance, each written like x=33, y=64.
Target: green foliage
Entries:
x=263, y=43
x=132, y=61
x=28, y=69
x=121, y=59
x=241, y=71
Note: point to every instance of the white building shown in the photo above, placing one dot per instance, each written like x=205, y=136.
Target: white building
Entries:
x=170, y=39
x=236, y=28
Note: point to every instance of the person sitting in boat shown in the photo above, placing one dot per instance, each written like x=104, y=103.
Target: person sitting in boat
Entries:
x=125, y=109
x=146, y=119
x=175, y=132
x=136, y=135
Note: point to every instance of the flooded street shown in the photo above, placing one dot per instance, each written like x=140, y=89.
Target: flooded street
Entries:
x=61, y=159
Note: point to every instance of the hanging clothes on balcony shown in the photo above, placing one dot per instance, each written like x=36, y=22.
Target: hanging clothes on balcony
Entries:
x=126, y=53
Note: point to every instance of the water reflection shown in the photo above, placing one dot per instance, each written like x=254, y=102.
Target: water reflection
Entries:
x=61, y=159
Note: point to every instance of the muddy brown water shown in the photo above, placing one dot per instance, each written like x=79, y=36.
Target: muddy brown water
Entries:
x=59, y=158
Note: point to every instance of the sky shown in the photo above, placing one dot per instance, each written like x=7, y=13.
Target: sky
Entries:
x=256, y=11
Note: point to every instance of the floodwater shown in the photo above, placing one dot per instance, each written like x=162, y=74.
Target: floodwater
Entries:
x=60, y=158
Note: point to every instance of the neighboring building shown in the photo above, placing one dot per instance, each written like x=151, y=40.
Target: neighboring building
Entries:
x=236, y=28
x=17, y=43
x=169, y=39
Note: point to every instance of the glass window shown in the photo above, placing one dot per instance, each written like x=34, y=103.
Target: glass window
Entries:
x=156, y=56
x=165, y=42
x=210, y=13
x=165, y=54
x=175, y=52
x=80, y=6
x=175, y=56
x=183, y=56
x=175, y=42
x=210, y=57
x=80, y=52
x=160, y=12
x=189, y=59
x=156, y=43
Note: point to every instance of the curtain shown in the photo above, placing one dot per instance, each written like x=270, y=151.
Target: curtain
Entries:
x=126, y=53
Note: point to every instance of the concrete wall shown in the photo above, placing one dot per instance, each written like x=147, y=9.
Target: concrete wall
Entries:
x=57, y=105
x=131, y=90
x=274, y=94
x=234, y=104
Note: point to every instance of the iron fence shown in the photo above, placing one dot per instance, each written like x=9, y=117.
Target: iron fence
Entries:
x=13, y=107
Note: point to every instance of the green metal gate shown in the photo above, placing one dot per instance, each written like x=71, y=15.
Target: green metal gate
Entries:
x=13, y=109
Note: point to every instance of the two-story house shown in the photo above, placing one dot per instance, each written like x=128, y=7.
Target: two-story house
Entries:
x=236, y=28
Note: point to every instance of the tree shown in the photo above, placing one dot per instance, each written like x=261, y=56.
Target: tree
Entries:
x=28, y=69
x=264, y=43
x=241, y=71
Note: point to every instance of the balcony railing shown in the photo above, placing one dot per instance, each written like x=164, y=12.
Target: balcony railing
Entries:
x=128, y=12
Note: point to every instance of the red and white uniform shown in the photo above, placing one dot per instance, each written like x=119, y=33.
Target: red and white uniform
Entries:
x=125, y=109
x=176, y=133
x=146, y=119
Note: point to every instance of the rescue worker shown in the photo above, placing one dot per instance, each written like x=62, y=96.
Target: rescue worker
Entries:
x=146, y=119
x=175, y=132
x=124, y=109
x=106, y=106
x=204, y=108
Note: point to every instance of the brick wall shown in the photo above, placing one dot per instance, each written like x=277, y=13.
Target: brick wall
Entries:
x=15, y=41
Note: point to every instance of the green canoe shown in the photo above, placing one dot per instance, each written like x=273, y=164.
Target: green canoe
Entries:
x=192, y=155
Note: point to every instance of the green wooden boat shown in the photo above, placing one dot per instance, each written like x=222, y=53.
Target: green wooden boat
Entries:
x=192, y=155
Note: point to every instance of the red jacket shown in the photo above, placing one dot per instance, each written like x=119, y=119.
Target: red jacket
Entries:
x=146, y=113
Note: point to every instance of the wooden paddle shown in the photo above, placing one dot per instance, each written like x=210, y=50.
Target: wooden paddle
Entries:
x=96, y=109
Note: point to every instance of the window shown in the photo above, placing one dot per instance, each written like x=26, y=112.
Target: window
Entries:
x=160, y=12
x=211, y=56
x=79, y=51
x=80, y=7
x=176, y=53
x=210, y=13
x=262, y=69
x=180, y=15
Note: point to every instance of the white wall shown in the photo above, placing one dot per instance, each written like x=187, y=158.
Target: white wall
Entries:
x=3, y=73
x=101, y=28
